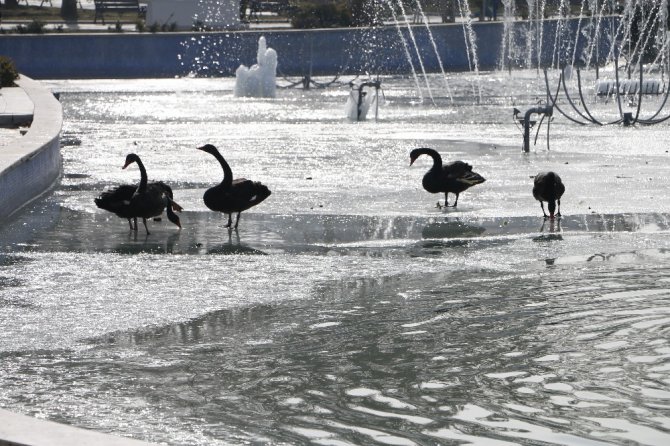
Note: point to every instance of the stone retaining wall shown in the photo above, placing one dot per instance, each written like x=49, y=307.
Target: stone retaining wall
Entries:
x=350, y=51
x=30, y=165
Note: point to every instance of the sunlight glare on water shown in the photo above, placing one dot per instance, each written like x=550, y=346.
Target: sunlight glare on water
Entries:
x=348, y=308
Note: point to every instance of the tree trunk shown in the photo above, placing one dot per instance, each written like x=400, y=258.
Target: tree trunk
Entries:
x=68, y=9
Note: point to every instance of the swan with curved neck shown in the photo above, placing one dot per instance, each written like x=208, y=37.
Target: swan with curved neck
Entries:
x=146, y=200
x=454, y=177
x=548, y=186
x=232, y=196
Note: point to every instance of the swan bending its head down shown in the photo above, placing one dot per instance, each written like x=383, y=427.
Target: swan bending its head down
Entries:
x=548, y=186
x=146, y=200
x=454, y=177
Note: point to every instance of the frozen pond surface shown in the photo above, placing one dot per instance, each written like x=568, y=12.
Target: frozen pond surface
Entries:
x=347, y=309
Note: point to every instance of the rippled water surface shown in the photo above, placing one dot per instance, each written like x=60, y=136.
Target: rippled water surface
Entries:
x=347, y=309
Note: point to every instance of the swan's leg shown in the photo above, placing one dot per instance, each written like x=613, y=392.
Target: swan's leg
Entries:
x=542, y=206
x=559, y=208
x=130, y=223
x=230, y=221
x=237, y=222
x=135, y=221
x=455, y=202
x=446, y=199
x=144, y=220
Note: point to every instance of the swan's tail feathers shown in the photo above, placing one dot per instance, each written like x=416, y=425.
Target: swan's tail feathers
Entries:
x=472, y=178
x=261, y=192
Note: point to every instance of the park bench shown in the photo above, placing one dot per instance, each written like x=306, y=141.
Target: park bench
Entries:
x=279, y=7
x=118, y=6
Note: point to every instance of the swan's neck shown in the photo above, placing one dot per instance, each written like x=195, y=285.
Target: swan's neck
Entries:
x=143, y=177
x=227, y=171
x=437, y=159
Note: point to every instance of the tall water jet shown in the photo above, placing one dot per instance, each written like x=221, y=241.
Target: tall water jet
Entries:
x=470, y=43
x=508, y=40
x=424, y=19
x=416, y=49
x=406, y=48
x=259, y=81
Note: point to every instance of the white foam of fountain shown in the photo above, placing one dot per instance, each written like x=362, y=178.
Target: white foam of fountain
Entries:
x=356, y=108
x=259, y=81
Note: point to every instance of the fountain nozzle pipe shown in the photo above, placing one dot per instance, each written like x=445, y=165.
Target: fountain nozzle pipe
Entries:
x=546, y=110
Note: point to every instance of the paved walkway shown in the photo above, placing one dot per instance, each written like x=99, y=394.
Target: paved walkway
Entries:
x=16, y=111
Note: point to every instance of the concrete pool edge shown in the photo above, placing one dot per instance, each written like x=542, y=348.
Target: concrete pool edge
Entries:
x=22, y=430
x=31, y=164
x=29, y=167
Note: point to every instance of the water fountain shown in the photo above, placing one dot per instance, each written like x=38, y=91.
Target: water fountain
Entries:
x=360, y=99
x=259, y=80
x=527, y=123
x=349, y=310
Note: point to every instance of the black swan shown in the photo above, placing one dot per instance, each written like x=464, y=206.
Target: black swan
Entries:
x=232, y=195
x=454, y=177
x=146, y=200
x=548, y=187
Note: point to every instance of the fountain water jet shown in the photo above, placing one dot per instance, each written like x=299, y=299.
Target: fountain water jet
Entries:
x=259, y=81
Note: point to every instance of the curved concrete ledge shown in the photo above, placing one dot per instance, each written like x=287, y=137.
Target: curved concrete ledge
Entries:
x=30, y=165
x=20, y=430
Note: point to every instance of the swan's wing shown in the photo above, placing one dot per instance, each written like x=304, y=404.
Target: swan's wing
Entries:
x=167, y=192
x=461, y=172
x=471, y=178
x=164, y=187
x=249, y=191
x=111, y=199
x=456, y=169
x=560, y=187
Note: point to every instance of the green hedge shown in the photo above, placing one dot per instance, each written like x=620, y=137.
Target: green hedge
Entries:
x=8, y=73
x=326, y=15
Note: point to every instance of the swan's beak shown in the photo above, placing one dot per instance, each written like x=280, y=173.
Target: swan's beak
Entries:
x=201, y=148
x=411, y=161
x=125, y=165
